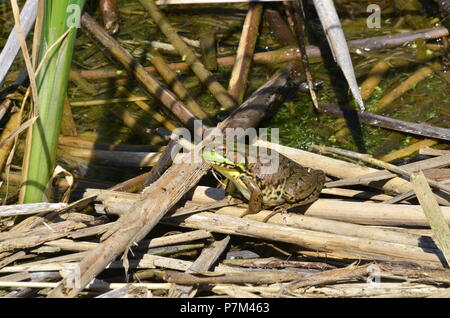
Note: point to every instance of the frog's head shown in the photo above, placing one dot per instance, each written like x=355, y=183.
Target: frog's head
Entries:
x=226, y=162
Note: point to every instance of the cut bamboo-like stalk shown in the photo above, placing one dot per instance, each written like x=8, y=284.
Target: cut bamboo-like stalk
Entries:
x=430, y=207
x=244, y=55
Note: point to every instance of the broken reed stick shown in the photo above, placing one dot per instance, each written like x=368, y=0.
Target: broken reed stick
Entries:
x=29, y=208
x=260, y=277
x=26, y=239
x=165, y=192
x=369, y=159
x=244, y=55
x=203, y=263
x=431, y=209
x=289, y=54
x=151, y=85
x=273, y=262
x=388, y=123
x=433, y=152
x=205, y=76
x=377, y=175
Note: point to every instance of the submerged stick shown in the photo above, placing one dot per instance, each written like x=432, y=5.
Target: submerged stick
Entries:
x=205, y=76
x=389, y=123
x=244, y=55
x=151, y=85
x=288, y=54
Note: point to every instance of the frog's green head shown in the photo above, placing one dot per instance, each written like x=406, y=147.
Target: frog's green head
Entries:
x=226, y=162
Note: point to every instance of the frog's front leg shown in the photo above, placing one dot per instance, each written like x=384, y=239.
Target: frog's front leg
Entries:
x=255, y=203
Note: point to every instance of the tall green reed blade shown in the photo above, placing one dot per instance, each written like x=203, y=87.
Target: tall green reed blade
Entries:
x=52, y=80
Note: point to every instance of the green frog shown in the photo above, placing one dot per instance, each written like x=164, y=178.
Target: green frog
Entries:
x=285, y=185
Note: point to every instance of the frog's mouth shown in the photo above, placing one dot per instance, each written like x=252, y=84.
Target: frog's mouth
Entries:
x=234, y=175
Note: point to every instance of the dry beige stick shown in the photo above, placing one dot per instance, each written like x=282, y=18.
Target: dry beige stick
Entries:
x=20, y=240
x=313, y=240
x=177, y=238
x=70, y=245
x=349, y=273
x=234, y=292
x=433, y=152
x=261, y=277
x=331, y=226
x=404, y=152
x=67, y=244
x=244, y=55
x=405, y=86
x=209, y=256
x=203, y=263
x=371, y=213
x=29, y=208
x=147, y=261
x=377, y=175
x=391, y=290
x=418, y=274
x=90, y=231
x=385, y=165
x=11, y=259
x=272, y=262
x=442, y=293
x=438, y=224
x=16, y=277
